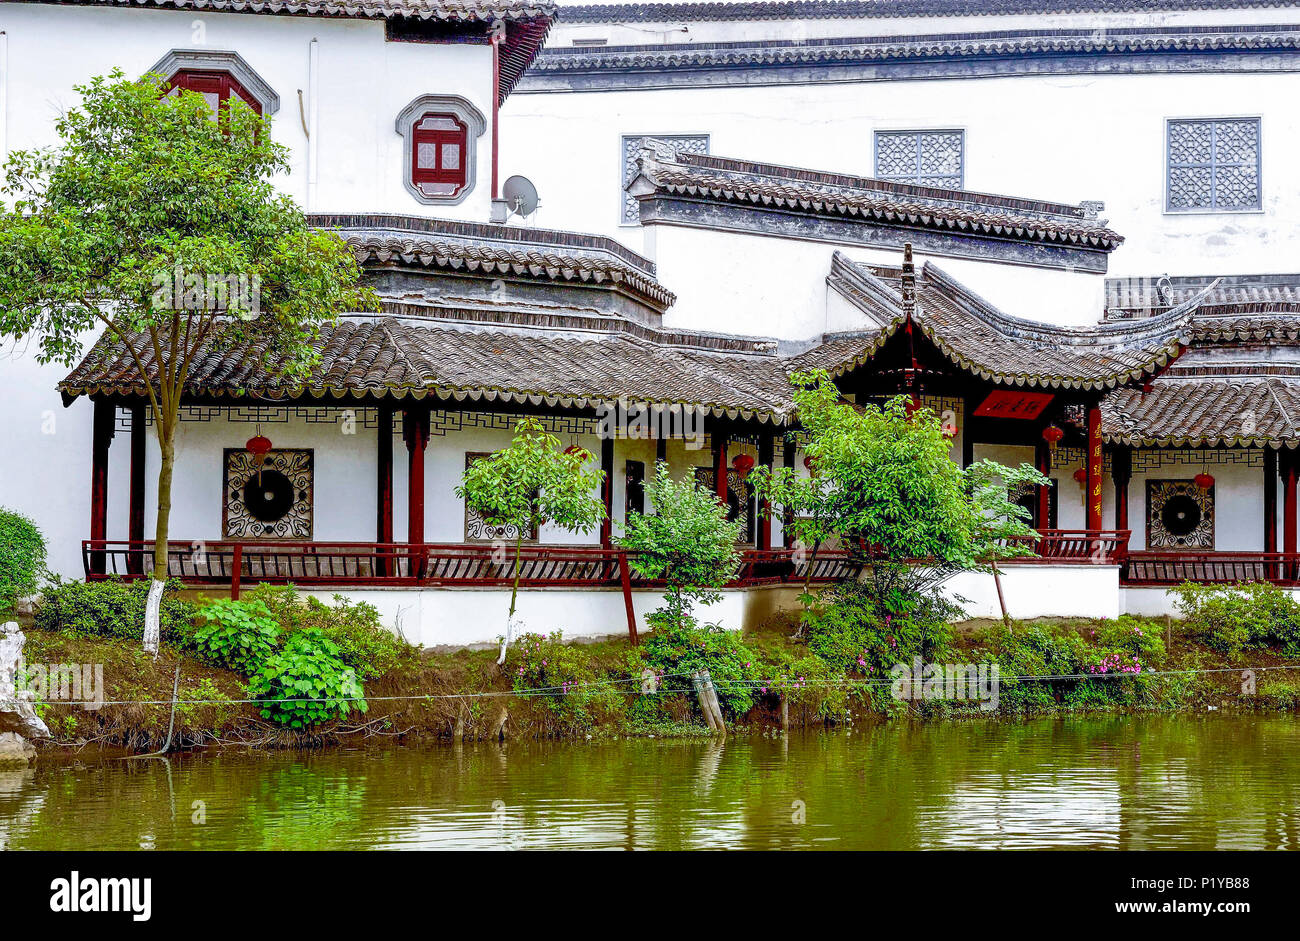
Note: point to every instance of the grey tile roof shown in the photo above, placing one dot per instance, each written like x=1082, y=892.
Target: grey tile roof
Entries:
x=664, y=170
x=882, y=9
x=882, y=50
x=527, y=22
x=382, y=357
x=987, y=343
x=1201, y=411
x=497, y=250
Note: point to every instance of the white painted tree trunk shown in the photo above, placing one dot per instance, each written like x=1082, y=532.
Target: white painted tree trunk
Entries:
x=513, y=625
x=152, y=618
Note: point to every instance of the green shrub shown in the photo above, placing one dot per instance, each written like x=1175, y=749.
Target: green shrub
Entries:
x=354, y=627
x=677, y=648
x=1230, y=618
x=577, y=691
x=306, y=683
x=852, y=633
x=240, y=635
x=22, y=558
x=111, y=608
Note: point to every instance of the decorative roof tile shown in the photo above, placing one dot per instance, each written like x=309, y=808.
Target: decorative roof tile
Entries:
x=527, y=23
x=987, y=343
x=882, y=9
x=663, y=170
x=381, y=357
x=495, y=250
x=1201, y=411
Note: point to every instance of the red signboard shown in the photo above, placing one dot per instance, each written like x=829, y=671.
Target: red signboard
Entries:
x=1013, y=403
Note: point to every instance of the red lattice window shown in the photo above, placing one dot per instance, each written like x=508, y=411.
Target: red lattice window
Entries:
x=438, y=154
x=217, y=88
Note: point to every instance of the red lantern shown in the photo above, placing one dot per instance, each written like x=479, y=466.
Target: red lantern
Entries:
x=578, y=450
x=259, y=446
x=743, y=464
x=1053, y=435
x=1204, y=481
x=1081, y=477
x=810, y=465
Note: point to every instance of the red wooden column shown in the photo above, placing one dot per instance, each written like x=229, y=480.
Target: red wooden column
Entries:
x=384, y=483
x=1093, y=461
x=1270, y=499
x=1121, y=472
x=787, y=514
x=101, y=438
x=1043, y=460
x=607, y=491
x=766, y=451
x=135, y=518
x=415, y=432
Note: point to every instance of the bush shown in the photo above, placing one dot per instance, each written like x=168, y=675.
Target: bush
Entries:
x=22, y=558
x=677, y=648
x=577, y=690
x=111, y=608
x=354, y=627
x=240, y=635
x=1232, y=617
x=306, y=683
x=851, y=632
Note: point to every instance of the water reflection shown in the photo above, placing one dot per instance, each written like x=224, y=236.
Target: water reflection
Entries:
x=1084, y=783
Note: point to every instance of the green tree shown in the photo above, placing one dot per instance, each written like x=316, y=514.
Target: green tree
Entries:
x=22, y=558
x=531, y=482
x=687, y=541
x=146, y=192
x=890, y=487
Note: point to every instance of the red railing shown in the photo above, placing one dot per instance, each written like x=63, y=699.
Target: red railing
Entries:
x=1162, y=568
x=1098, y=547
x=313, y=564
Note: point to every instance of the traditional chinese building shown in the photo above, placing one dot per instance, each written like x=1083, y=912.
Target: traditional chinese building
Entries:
x=790, y=186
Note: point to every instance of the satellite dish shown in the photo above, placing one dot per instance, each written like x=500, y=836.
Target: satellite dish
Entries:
x=520, y=195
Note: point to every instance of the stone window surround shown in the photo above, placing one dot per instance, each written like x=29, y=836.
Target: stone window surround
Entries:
x=467, y=114
x=213, y=60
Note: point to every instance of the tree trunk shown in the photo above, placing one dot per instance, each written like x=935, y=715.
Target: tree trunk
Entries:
x=153, y=607
x=807, y=582
x=514, y=593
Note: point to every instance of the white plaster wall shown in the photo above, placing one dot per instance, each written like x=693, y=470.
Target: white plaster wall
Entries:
x=364, y=82
x=1063, y=138
x=758, y=285
x=1034, y=591
x=472, y=616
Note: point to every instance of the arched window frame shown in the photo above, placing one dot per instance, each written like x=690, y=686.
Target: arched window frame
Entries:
x=223, y=73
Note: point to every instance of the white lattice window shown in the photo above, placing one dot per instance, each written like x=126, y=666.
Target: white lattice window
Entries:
x=1213, y=165
x=683, y=143
x=926, y=158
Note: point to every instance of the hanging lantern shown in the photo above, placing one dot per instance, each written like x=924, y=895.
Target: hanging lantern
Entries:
x=743, y=464
x=1081, y=477
x=579, y=451
x=810, y=465
x=1053, y=435
x=1204, y=481
x=259, y=446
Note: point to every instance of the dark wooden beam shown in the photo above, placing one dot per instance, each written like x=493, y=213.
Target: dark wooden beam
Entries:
x=787, y=514
x=101, y=437
x=1270, y=499
x=1121, y=472
x=607, y=490
x=766, y=449
x=135, y=517
x=720, y=463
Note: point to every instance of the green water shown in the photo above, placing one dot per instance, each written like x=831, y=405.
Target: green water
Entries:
x=1168, y=783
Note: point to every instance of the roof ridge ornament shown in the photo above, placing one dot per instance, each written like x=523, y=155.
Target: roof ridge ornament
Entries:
x=908, y=283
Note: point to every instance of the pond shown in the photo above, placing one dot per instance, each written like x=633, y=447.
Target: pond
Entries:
x=1124, y=783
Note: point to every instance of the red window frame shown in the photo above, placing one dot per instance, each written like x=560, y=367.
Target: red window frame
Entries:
x=222, y=84
x=457, y=176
